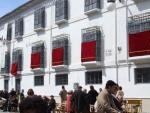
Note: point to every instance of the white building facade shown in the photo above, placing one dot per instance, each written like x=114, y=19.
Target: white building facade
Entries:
x=46, y=44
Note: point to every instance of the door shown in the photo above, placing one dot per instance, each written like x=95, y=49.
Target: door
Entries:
x=6, y=84
x=18, y=86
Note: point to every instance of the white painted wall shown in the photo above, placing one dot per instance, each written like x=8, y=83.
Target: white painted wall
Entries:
x=77, y=21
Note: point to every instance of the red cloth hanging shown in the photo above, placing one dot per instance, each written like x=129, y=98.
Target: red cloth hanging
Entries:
x=88, y=51
x=35, y=60
x=58, y=56
x=14, y=68
x=139, y=44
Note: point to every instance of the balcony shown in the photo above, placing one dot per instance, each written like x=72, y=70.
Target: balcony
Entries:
x=39, y=29
x=95, y=10
x=139, y=40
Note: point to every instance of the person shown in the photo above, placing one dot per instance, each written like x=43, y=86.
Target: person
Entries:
x=52, y=104
x=69, y=102
x=79, y=101
x=30, y=92
x=100, y=89
x=92, y=94
x=105, y=102
x=120, y=94
x=33, y=104
x=63, y=94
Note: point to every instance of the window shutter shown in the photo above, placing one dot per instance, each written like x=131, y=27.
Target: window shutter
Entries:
x=7, y=62
x=19, y=61
x=43, y=17
x=21, y=27
x=98, y=45
x=42, y=55
x=66, y=51
x=9, y=32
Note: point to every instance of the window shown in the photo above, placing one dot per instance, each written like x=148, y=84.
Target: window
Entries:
x=9, y=32
x=91, y=4
x=139, y=32
x=39, y=18
x=62, y=79
x=60, y=52
x=142, y=75
x=19, y=27
x=91, y=44
x=61, y=10
x=93, y=77
x=16, y=62
x=37, y=56
x=38, y=80
x=7, y=62
x=111, y=0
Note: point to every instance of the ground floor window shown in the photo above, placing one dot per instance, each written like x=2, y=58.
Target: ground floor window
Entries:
x=142, y=75
x=61, y=79
x=38, y=80
x=93, y=77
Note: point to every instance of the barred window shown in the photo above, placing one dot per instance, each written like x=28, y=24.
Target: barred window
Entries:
x=61, y=79
x=9, y=32
x=93, y=77
x=91, y=4
x=17, y=58
x=40, y=49
x=7, y=62
x=61, y=10
x=38, y=80
x=142, y=75
x=39, y=18
x=139, y=23
x=19, y=27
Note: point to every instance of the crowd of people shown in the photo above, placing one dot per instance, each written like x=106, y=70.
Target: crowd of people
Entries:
x=108, y=100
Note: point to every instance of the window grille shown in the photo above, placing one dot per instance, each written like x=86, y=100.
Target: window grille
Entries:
x=91, y=4
x=61, y=10
x=139, y=23
x=142, y=75
x=61, y=79
x=9, y=32
x=62, y=43
x=38, y=80
x=93, y=34
x=7, y=63
x=41, y=49
x=17, y=58
x=39, y=18
x=93, y=77
x=19, y=27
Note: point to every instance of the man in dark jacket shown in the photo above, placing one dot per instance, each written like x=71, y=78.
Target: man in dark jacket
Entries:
x=92, y=94
x=79, y=101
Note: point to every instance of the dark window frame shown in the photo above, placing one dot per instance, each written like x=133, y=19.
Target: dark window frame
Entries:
x=91, y=4
x=142, y=75
x=61, y=10
x=39, y=80
x=9, y=32
x=19, y=27
x=17, y=57
x=40, y=48
x=39, y=18
x=93, y=77
x=61, y=79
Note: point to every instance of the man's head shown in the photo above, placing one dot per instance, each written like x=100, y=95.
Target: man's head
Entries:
x=34, y=104
x=111, y=86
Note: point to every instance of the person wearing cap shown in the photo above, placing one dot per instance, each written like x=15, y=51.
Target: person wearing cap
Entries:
x=105, y=103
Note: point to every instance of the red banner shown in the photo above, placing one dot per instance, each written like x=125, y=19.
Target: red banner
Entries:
x=58, y=56
x=139, y=44
x=35, y=60
x=88, y=52
x=14, y=68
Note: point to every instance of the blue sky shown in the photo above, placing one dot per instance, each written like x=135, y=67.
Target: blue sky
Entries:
x=8, y=5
